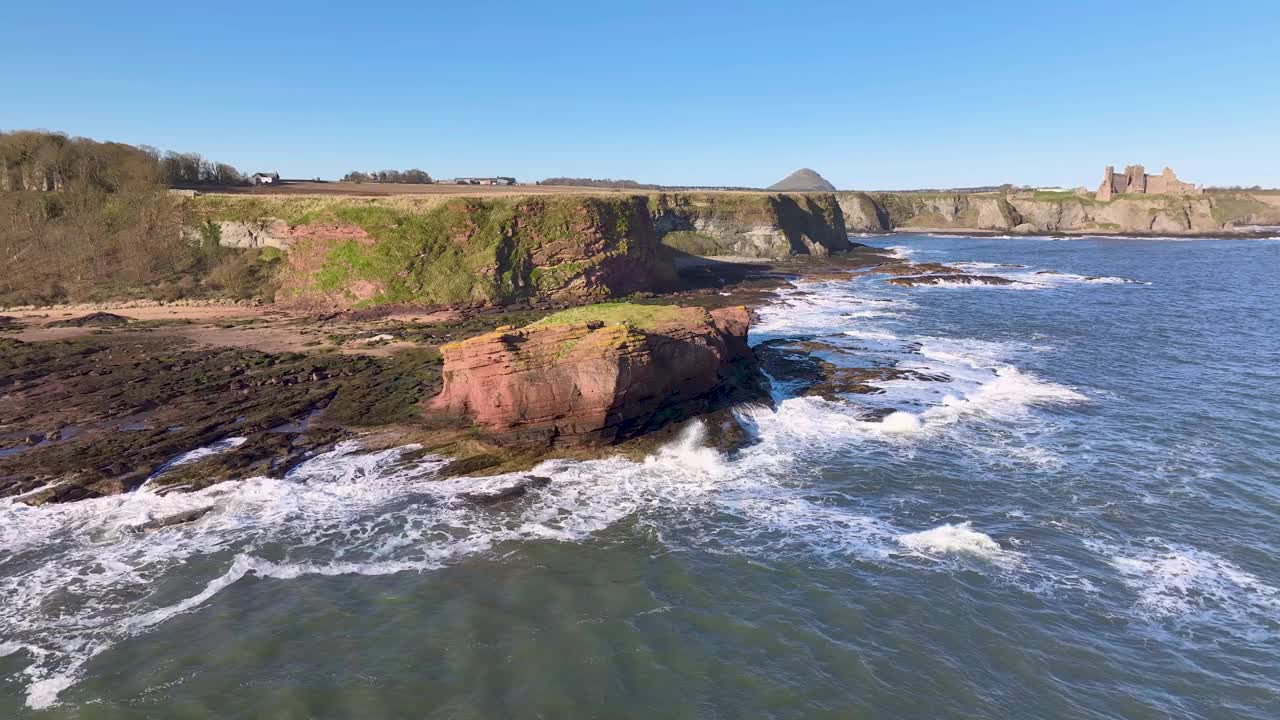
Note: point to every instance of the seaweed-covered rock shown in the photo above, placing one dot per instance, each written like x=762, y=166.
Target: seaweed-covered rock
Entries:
x=98, y=319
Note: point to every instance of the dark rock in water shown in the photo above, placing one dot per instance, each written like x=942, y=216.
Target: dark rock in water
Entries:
x=793, y=361
x=909, y=268
x=786, y=362
x=876, y=414
x=469, y=465
x=521, y=488
x=1048, y=272
x=170, y=520
x=846, y=381
x=957, y=278
x=803, y=180
x=98, y=319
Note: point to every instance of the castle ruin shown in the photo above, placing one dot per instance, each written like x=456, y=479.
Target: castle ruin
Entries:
x=1136, y=180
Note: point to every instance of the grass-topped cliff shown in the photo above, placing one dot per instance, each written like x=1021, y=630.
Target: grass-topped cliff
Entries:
x=1056, y=211
x=455, y=251
x=642, y=317
x=496, y=250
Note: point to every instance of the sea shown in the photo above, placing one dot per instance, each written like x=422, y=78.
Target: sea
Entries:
x=1070, y=510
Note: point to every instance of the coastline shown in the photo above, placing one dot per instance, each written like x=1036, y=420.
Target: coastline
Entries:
x=167, y=380
x=1006, y=234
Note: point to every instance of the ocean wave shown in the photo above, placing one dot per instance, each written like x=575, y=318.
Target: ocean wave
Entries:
x=200, y=453
x=1058, y=279
x=1178, y=582
x=948, y=539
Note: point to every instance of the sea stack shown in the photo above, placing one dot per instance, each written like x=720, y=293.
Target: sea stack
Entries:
x=598, y=374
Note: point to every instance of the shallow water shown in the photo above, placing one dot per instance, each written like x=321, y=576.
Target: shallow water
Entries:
x=1081, y=521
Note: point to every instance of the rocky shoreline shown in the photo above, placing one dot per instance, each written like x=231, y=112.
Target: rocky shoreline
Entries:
x=97, y=400
x=181, y=397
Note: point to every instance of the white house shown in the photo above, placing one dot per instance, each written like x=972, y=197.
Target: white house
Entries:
x=264, y=179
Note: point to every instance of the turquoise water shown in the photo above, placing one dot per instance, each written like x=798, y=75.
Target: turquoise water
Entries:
x=1081, y=521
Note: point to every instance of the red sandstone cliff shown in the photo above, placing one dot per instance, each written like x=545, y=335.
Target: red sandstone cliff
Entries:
x=598, y=380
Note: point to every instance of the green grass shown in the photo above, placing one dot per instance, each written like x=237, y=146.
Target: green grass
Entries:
x=471, y=250
x=1141, y=196
x=1051, y=195
x=1235, y=206
x=692, y=242
x=639, y=317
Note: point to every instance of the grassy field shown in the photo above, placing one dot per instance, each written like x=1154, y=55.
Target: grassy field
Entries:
x=389, y=189
x=642, y=317
x=348, y=189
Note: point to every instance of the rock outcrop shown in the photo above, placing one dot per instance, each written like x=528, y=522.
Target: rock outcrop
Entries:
x=862, y=213
x=755, y=225
x=803, y=180
x=950, y=279
x=598, y=374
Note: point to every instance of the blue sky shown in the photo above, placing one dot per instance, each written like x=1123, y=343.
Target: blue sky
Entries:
x=876, y=96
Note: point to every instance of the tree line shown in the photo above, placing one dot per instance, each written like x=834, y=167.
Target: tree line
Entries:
x=414, y=176
x=87, y=220
x=38, y=160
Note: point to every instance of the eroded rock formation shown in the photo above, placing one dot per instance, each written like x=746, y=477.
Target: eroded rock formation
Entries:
x=598, y=374
x=750, y=224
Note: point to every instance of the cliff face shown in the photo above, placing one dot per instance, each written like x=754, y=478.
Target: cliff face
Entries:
x=462, y=251
x=750, y=224
x=1031, y=212
x=578, y=248
x=862, y=213
x=597, y=374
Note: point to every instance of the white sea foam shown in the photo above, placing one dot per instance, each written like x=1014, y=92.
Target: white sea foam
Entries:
x=1059, y=279
x=976, y=265
x=901, y=423
x=953, y=539
x=1175, y=581
x=1030, y=279
x=871, y=334
x=960, y=285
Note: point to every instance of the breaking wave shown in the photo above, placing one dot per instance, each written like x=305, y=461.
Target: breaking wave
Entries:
x=1180, y=583
x=953, y=539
